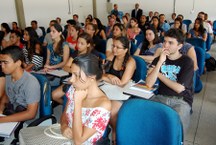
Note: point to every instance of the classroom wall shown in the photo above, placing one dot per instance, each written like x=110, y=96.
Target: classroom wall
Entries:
x=162, y=6
x=7, y=11
x=45, y=10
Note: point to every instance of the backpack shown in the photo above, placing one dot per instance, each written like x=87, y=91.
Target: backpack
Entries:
x=210, y=64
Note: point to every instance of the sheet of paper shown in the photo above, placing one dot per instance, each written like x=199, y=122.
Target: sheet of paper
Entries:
x=6, y=129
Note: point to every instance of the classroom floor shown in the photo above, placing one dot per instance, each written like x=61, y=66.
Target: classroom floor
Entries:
x=203, y=120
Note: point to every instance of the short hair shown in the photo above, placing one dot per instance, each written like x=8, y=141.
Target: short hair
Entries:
x=15, y=52
x=34, y=21
x=89, y=64
x=14, y=22
x=17, y=33
x=175, y=33
x=76, y=15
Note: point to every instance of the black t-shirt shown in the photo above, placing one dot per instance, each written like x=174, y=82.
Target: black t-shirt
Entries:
x=180, y=71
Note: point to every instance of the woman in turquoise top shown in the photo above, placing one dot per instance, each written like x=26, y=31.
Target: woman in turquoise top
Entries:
x=58, y=51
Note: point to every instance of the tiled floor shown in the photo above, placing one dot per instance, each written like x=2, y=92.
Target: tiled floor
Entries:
x=203, y=120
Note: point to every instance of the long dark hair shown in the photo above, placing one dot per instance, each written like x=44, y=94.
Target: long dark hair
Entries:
x=33, y=41
x=88, y=39
x=59, y=49
x=201, y=29
x=89, y=64
x=146, y=42
x=121, y=27
x=6, y=26
x=125, y=43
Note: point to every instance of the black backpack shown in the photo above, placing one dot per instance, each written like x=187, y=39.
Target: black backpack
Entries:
x=210, y=64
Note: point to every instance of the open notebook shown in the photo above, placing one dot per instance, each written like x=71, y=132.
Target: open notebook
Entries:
x=140, y=89
x=57, y=72
x=6, y=129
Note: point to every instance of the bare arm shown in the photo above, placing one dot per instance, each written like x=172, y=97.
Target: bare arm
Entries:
x=3, y=100
x=82, y=133
x=192, y=54
x=67, y=66
x=30, y=113
x=204, y=36
x=128, y=74
x=103, y=35
x=65, y=129
x=65, y=58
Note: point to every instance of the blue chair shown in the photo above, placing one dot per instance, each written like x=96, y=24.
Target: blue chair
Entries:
x=197, y=42
x=187, y=22
x=139, y=38
x=200, y=53
x=133, y=48
x=214, y=28
x=145, y=122
x=45, y=101
x=208, y=42
x=141, y=69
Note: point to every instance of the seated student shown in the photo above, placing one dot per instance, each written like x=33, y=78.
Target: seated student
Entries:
x=15, y=39
x=151, y=46
x=119, y=72
x=156, y=24
x=73, y=33
x=84, y=45
x=118, y=30
x=32, y=50
x=87, y=112
x=179, y=25
x=58, y=51
x=100, y=32
x=198, y=31
x=91, y=30
x=175, y=73
x=22, y=89
x=6, y=29
x=133, y=29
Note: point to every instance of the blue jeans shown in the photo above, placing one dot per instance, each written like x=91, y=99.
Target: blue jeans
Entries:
x=178, y=104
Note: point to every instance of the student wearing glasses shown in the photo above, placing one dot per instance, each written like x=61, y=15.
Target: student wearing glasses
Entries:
x=119, y=72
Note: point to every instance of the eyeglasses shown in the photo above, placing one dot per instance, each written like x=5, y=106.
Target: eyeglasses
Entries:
x=114, y=46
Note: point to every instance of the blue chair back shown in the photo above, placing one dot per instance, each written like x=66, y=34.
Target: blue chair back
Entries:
x=133, y=48
x=187, y=22
x=214, y=26
x=200, y=53
x=45, y=101
x=140, y=38
x=141, y=69
x=145, y=122
x=197, y=42
x=208, y=42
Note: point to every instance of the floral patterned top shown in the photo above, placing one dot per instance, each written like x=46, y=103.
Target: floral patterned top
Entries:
x=96, y=118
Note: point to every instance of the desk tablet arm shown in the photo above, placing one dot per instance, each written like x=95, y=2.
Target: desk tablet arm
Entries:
x=38, y=121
